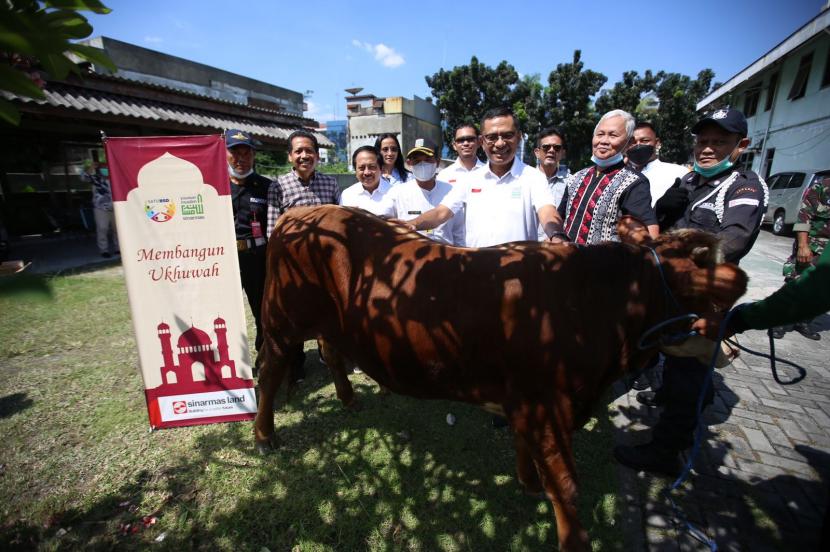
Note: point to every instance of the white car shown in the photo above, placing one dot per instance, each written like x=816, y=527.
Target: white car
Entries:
x=786, y=190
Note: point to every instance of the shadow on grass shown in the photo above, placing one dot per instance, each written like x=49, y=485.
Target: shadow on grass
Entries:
x=14, y=403
x=26, y=285
x=393, y=476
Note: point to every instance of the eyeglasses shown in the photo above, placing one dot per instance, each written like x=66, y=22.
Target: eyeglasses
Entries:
x=465, y=139
x=493, y=138
x=547, y=147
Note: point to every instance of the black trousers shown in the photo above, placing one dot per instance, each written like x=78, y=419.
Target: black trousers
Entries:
x=252, y=273
x=683, y=380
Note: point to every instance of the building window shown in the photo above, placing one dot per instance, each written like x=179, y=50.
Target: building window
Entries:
x=751, y=101
x=768, y=162
x=800, y=83
x=771, y=90
x=825, y=80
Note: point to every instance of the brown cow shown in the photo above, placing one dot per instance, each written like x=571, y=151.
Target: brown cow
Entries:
x=536, y=331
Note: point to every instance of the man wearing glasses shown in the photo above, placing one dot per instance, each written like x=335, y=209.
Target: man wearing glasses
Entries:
x=549, y=152
x=465, y=144
x=506, y=200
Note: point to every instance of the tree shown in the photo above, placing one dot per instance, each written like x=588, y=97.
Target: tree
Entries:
x=36, y=36
x=568, y=105
x=529, y=108
x=466, y=92
x=628, y=93
x=678, y=96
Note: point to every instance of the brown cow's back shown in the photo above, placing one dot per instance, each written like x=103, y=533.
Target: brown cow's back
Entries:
x=435, y=321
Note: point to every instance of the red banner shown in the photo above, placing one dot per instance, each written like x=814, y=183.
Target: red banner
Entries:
x=171, y=197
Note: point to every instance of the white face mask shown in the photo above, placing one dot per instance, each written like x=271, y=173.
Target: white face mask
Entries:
x=424, y=171
x=239, y=175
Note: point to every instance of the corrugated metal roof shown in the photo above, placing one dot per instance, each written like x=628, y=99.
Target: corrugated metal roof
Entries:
x=93, y=101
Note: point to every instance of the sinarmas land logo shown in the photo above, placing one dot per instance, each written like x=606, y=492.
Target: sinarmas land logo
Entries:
x=159, y=210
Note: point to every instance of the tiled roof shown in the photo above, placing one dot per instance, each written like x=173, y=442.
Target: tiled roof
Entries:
x=78, y=98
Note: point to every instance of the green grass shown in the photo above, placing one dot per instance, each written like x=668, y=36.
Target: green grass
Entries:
x=78, y=461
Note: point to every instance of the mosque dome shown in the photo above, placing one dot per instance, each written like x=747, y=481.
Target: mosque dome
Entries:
x=193, y=337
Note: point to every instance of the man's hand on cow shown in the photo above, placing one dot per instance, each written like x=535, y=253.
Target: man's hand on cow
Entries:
x=709, y=326
x=405, y=223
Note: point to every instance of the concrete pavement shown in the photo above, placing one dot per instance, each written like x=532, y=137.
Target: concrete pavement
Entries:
x=761, y=481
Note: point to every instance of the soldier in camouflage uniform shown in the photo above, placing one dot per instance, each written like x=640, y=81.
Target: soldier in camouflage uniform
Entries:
x=811, y=235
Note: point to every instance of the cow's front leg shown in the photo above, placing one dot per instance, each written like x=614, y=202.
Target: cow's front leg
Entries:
x=337, y=366
x=273, y=367
x=549, y=440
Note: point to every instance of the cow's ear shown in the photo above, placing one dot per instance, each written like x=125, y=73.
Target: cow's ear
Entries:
x=723, y=285
x=631, y=230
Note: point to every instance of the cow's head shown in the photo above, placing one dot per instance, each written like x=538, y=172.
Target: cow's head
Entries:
x=691, y=263
x=693, y=267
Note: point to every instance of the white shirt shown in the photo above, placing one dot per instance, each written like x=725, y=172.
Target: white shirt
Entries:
x=500, y=210
x=395, y=178
x=410, y=200
x=661, y=177
x=375, y=202
x=454, y=172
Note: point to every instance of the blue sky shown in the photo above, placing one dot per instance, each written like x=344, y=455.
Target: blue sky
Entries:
x=326, y=46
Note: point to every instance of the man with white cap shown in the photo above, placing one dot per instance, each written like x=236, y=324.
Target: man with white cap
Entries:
x=424, y=192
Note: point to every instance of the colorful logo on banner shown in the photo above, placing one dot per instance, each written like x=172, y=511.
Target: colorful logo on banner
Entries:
x=159, y=210
x=183, y=277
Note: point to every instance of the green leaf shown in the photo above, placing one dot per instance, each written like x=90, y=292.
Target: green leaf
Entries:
x=68, y=24
x=95, y=55
x=83, y=5
x=9, y=113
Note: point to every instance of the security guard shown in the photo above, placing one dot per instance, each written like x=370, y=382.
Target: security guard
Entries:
x=730, y=203
x=249, y=195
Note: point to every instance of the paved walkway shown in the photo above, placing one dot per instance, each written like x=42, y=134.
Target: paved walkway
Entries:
x=767, y=452
x=59, y=253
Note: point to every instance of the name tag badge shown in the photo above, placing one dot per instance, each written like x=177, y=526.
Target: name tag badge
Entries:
x=259, y=200
x=256, y=229
x=476, y=190
x=416, y=213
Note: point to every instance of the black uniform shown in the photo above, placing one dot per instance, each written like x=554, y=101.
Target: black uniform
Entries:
x=731, y=206
x=250, y=210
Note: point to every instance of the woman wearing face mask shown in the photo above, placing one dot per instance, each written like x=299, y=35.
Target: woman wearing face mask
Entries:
x=393, y=170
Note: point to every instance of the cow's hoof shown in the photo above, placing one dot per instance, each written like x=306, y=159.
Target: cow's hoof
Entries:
x=268, y=446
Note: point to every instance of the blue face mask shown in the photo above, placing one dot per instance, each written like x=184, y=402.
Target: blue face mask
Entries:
x=605, y=163
x=722, y=165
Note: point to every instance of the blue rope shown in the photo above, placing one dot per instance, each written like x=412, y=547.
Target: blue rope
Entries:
x=684, y=474
x=694, y=531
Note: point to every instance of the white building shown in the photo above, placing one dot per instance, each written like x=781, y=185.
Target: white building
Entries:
x=785, y=96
